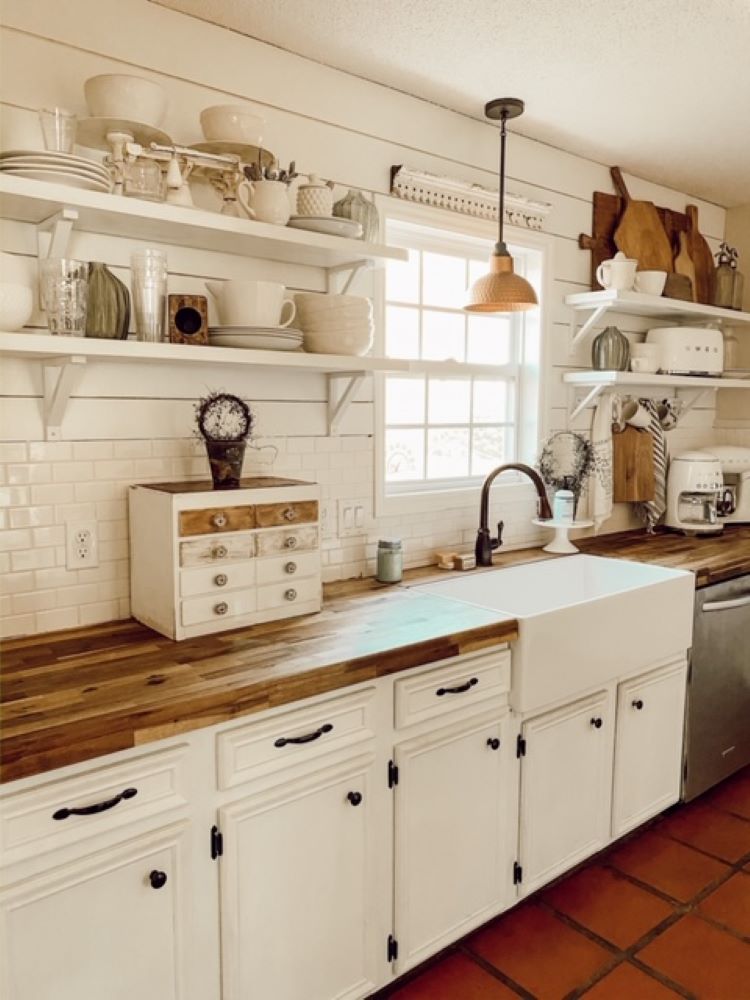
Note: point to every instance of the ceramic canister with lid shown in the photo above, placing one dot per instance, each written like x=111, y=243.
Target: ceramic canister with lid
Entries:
x=315, y=198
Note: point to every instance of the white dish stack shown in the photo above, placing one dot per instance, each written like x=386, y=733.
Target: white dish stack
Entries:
x=62, y=168
x=335, y=324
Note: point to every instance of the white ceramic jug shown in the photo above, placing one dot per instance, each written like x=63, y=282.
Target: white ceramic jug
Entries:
x=265, y=201
x=617, y=273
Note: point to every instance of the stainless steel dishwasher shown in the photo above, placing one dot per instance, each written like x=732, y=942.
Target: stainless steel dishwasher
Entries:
x=717, y=732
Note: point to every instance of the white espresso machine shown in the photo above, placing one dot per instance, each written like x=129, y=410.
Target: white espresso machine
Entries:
x=695, y=493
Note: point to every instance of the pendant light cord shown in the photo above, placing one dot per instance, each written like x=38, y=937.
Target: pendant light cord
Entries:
x=500, y=247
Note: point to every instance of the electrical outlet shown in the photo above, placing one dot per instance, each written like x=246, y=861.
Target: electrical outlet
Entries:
x=82, y=544
x=351, y=518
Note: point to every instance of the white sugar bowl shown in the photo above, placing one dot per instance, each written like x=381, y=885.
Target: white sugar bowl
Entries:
x=315, y=198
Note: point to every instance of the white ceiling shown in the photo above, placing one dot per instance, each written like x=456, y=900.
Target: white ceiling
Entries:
x=659, y=87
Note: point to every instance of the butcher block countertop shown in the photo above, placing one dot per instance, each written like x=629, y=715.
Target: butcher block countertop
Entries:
x=76, y=695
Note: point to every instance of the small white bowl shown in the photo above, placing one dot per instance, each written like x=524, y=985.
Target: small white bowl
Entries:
x=233, y=122
x=119, y=95
x=644, y=366
x=16, y=306
x=354, y=342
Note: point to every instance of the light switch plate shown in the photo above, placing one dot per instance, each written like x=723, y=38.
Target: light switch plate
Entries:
x=351, y=518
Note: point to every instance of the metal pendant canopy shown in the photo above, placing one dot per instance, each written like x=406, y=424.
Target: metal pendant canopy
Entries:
x=511, y=106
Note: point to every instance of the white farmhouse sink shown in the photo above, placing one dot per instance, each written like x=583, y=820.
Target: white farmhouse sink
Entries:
x=583, y=620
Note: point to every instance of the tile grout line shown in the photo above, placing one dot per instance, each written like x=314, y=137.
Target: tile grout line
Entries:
x=498, y=974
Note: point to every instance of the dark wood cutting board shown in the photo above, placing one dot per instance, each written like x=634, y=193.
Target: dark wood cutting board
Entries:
x=632, y=466
x=700, y=252
x=640, y=233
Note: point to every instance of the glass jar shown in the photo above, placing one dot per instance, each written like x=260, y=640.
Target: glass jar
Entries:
x=390, y=567
x=143, y=179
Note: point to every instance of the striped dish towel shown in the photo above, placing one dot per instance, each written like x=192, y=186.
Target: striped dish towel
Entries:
x=650, y=511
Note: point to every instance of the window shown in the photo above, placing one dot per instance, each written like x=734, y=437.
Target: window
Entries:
x=444, y=430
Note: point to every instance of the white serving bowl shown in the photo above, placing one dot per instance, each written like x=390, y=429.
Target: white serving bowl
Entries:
x=233, y=122
x=356, y=341
x=13, y=270
x=310, y=302
x=16, y=305
x=119, y=95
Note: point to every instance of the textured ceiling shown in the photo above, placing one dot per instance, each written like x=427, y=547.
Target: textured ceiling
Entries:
x=660, y=87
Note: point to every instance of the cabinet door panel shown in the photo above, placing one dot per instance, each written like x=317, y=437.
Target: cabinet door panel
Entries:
x=297, y=888
x=104, y=929
x=566, y=779
x=454, y=834
x=648, y=746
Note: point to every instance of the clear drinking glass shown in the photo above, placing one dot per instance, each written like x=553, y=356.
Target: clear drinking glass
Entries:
x=58, y=129
x=64, y=288
x=149, y=287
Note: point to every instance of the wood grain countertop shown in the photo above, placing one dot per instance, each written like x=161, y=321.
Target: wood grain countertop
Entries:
x=75, y=695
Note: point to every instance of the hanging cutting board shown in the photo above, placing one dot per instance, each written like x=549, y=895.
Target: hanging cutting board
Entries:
x=640, y=233
x=700, y=252
x=683, y=264
x=632, y=466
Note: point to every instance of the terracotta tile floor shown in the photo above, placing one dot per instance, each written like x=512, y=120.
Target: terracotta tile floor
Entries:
x=661, y=915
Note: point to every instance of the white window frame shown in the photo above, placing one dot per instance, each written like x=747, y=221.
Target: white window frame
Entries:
x=531, y=419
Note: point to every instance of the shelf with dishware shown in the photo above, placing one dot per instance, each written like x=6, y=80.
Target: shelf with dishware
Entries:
x=42, y=202
x=597, y=304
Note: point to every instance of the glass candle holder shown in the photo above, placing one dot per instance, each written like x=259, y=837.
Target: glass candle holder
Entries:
x=58, y=129
x=64, y=289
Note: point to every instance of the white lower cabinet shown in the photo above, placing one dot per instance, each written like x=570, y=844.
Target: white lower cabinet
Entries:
x=648, y=745
x=566, y=779
x=454, y=833
x=111, y=924
x=298, y=889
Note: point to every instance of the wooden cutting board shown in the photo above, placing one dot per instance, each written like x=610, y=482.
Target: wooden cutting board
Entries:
x=640, y=233
x=632, y=466
x=683, y=263
x=700, y=252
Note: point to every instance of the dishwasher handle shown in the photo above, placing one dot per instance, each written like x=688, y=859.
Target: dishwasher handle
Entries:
x=741, y=601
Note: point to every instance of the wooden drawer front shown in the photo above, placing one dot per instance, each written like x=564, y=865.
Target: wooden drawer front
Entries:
x=452, y=687
x=288, y=593
x=271, y=515
x=216, y=550
x=217, y=607
x=289, y=567
x=270, y=543
x=216, y=580
x=105, y=796
x=264, y=747
x=213, y=519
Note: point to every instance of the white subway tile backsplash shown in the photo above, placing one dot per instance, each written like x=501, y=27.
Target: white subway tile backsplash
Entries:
x=72, y=472
x=117, y=469
x=136, y=449
x=60, y=618
x=16, y=583
x=38, y=600
x=17, y=625
x=14, y=540
x=42, y=537
x=50, y=451
x=102, y=611
x=14, y=451
x=74, y=512
x=92, y=450
x=20, y=475
x=30, y=517
x=48, y=578
x=32, y=559
x=57, y=494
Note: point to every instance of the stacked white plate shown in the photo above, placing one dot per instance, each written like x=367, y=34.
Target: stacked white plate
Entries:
x=328, y=225
x=60, y=168
x=256, y=338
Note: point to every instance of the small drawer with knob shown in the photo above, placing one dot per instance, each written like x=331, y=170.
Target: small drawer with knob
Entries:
x=216, y=519
x=217, y=579
x=271, y=515
x=293, y=566
x=271, y=543
x=288, y=594
x=209, y=551
x=218, y=607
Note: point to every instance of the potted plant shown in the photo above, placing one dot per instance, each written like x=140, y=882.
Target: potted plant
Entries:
x=224, y=422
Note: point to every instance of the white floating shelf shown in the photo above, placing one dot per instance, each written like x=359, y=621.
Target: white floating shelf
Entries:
x=610, y=378
x=33, y=201
x=638, y=304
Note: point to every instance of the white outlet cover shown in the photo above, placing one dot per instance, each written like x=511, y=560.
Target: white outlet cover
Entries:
x=81, y=544
x=351, y=518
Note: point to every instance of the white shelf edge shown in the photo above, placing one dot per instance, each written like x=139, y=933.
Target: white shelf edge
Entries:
x=652, y=305
x=612, y=378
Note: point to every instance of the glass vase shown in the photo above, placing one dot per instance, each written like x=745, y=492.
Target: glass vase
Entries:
x=108, y=313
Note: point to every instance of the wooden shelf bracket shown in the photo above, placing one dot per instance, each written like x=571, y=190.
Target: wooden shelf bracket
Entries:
x=61, y=376
x=337, y=407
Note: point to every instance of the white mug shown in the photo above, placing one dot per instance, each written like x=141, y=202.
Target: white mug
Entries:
x=634, y=413
x=650, y=282
x=617, y=273
x=242, y=302
x=265, y=201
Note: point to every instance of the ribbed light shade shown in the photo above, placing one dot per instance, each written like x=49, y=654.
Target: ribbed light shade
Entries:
x=502, y=290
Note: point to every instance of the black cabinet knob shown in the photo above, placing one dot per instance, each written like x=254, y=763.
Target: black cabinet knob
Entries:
x=157, y=879
x=355, y=798
x=596, y=722
x=493, y=743
x=637, y=704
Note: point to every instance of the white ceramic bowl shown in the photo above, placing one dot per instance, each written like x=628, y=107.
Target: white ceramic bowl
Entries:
x=233, y=122
x=356, y=341
x=16, y=305
x=119, y=95
x=311, y=303
x=13, y=270
x=651, y=351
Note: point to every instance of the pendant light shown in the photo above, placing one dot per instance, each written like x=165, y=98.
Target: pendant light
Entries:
x=501, y=290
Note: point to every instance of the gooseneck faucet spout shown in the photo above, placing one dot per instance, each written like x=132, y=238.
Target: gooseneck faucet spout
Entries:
x=486, y=545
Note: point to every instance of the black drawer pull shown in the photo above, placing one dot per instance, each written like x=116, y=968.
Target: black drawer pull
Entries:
x=637, y=704
x=307, y=738
x=355, y=798
x=157, y=879
x=98, y=807
x=596, y=722
x=458, y=690
x=493, y=743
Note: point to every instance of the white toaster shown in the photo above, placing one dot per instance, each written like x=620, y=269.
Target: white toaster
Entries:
x=688, y=350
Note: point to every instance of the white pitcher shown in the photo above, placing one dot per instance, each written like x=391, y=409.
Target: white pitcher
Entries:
x=265, y=201
x=242, y=302
x=617, y=273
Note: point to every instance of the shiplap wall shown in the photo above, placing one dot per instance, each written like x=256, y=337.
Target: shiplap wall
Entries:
x=130, y=424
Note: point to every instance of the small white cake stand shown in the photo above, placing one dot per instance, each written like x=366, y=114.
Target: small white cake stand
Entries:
x=561, y=543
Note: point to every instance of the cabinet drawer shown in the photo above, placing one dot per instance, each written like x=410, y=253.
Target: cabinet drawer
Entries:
x=288, y=567
x=290, y=592
x=212, y=519
x=260, y=748
x=451, y=687
x=57, y=813
x=217, y=607
x=213, y=550
x=216, y=580
x=271, y=543
x=270, y=515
